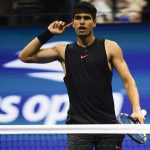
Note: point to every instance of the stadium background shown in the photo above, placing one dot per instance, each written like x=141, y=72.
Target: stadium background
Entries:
x=36, y=94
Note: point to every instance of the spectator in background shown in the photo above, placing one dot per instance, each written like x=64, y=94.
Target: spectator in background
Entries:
x=129, y=10
x=104, y=10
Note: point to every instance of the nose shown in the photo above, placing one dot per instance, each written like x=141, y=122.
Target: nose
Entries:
x=82, y=20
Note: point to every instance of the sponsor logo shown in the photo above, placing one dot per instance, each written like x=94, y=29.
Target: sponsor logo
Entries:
x=84, y=56
x=41, y=107
x=53, y=70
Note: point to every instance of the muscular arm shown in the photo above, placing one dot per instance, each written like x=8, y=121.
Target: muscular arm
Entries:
x=129, y=83
x=32, y=53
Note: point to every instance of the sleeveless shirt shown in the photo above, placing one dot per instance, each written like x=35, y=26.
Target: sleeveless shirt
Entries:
x=88, y=82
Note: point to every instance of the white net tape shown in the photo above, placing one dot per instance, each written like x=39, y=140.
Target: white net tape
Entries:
x=64, y=129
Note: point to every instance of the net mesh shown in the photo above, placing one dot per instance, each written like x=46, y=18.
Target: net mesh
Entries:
x=32, y=140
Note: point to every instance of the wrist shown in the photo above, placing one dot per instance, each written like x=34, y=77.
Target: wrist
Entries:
x=44, y=36
x=136, y=109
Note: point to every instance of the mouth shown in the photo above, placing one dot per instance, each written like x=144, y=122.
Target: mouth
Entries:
x=82, y=28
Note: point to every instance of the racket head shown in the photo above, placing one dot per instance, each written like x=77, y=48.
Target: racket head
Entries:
x=124, y=118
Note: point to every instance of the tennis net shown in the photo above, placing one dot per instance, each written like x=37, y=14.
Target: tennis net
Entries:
x=54, y=137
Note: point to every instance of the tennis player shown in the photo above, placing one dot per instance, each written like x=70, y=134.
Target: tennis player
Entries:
x=88, y=65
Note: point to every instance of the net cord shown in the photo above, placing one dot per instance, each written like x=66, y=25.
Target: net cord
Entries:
x=76, y=129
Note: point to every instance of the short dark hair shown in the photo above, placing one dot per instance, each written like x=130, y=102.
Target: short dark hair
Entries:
x=84, y=7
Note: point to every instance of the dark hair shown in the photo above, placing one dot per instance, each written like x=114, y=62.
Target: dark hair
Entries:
x=84, y=7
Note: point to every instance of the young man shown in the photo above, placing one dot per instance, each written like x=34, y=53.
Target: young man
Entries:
x=87, y=65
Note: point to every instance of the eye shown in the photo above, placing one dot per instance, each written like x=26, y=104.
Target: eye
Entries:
x=87, y=17
x=77, y=17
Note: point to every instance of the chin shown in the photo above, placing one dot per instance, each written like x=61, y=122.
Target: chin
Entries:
x=82, y=34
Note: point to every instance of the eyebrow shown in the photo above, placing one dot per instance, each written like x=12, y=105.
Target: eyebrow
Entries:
x=84, y=16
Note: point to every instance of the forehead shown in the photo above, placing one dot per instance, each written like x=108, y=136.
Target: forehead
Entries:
x=83, y=14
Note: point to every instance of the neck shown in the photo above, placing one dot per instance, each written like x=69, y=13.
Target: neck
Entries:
x=85, y=41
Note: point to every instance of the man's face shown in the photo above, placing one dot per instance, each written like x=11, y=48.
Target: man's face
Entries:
x=83, y=24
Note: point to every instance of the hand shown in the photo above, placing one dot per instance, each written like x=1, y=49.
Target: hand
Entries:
x=58, y=27
x=138, y=115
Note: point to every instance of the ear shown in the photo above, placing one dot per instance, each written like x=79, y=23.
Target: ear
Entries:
x=94, y=23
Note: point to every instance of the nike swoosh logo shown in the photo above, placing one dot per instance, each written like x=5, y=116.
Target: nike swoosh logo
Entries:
x=118, y=147
x=84, y=56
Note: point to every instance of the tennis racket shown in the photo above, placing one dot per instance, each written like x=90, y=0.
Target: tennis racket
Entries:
x=124, y=118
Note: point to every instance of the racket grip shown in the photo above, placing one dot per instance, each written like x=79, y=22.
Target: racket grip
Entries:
x=135, y=120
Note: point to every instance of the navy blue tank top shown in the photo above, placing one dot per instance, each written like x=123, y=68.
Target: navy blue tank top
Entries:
x=88, y=81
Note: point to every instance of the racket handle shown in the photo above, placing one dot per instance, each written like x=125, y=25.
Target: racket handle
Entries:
x=143, y=111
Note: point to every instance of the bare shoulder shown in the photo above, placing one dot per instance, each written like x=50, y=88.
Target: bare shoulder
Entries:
x=60, y=49
x=111, y=44
x=112, y=47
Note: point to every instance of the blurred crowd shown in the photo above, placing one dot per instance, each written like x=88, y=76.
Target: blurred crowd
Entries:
x=120, y=10
x=14, y=12
x=130, y=10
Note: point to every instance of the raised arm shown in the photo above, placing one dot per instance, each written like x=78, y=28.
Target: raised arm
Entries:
x=120, y=65
x=32, y=53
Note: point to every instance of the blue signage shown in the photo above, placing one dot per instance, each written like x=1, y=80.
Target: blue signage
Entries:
x=36, y=94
